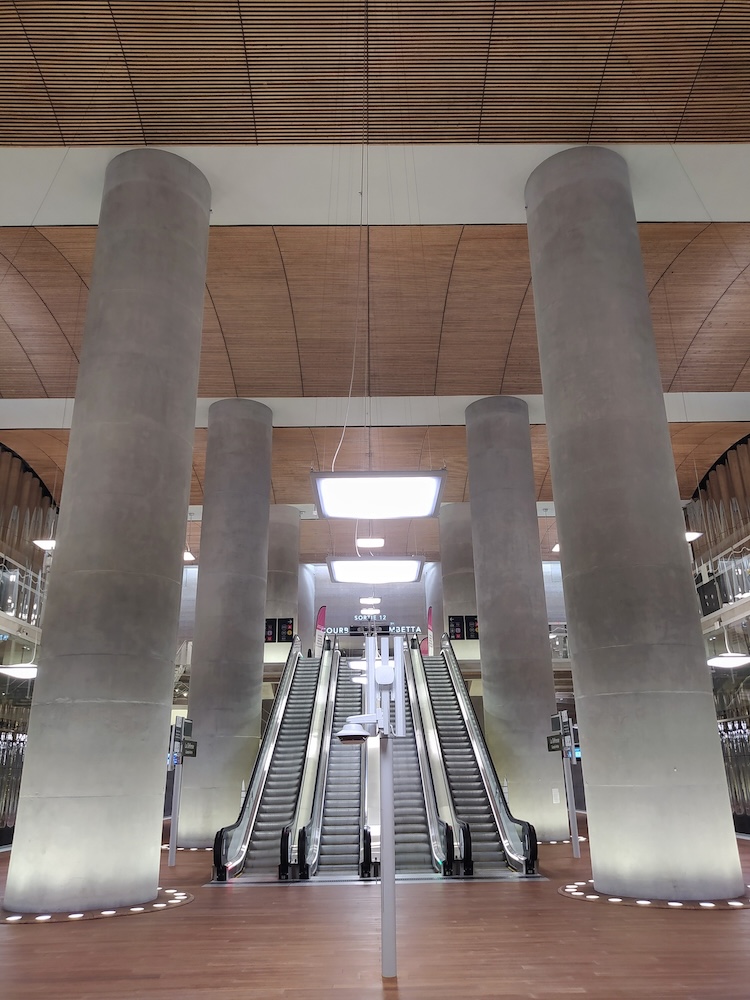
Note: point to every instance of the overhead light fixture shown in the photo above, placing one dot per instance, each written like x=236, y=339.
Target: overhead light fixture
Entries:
x=728, y=660
x=45, y=543
x=368, y=611
x=378, y=496
x=26, y=672
x=187, y=556
x=388, y=569
x=370, y=543
x=556, y=547
x=369, y=600
x=690, y=536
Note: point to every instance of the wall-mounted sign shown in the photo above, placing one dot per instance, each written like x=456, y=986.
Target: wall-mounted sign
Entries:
x=371, y=618
x=472, y=627
x=285, y=631
x=380, y=625
x=190, y=748
x=456, y=628
x=270, y=630
x=554, y=742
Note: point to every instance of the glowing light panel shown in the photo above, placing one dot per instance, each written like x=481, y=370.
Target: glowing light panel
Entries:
x=377, y=496
x=386, y=570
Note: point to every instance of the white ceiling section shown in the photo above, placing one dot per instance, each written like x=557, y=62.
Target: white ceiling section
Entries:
x=383, y=411
x=405, y=184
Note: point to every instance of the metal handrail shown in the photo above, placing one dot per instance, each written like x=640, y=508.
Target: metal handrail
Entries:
x=521, y=854
x=230, y=848
x=308, y=822
x=432, y=771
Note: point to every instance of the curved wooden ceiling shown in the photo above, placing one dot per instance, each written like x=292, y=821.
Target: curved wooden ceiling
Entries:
x=450, y=312
x=274, y=71
x=445, y=310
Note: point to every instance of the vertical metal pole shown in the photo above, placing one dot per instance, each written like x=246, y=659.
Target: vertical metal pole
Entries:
x=175, y=747
x=370, y=692
x=387, y=861
x=398, y=686
x=570, y=796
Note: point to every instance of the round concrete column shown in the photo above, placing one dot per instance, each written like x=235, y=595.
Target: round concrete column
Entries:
x=456, y=561
x=517, y=679
x=226, y=675
x=282, y=594
x=90, y=815
x=658, y=809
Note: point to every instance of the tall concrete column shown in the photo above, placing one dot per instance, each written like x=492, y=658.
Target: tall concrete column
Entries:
x=306, y=606
x=226, y=675
x=433, y=596
x=517, y=679
x=457, y=565
x=282, y=593
x=90, y=815
x=658, y=809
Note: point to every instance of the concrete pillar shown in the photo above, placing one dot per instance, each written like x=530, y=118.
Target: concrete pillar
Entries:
x=282, y=593
x=658, y=809
x=90, y=815
x=306, y=606
x=517, y=680
x=457, y=565
x=433, y=595
x=226, y=675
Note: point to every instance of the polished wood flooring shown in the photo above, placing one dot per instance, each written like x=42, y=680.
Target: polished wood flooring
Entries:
x=456, y=940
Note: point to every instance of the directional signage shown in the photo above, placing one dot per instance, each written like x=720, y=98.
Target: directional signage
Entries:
x=554, y=742
x=189, y=748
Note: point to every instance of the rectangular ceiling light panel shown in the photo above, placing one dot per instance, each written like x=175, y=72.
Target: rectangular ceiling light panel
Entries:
x=388, y=570
x=380, y=496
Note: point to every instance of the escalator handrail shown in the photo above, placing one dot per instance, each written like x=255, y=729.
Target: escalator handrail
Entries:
x=441, y=829
x=525, y=860
x=310, y=768
x=225, y=866
x=309, y=824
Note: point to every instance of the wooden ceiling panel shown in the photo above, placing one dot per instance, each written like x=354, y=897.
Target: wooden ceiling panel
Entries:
x=247, y=286
x=488, y=284
x=450, y=309
x=267, y=71
x=326, y=270
x=410, y=273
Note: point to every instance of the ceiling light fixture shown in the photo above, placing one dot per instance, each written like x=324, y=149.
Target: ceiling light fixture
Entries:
x=384, y=570
x=690, y=536
x=45, y=543
x=187, y=556
x=370, y=543
x=26, y=672
x=369, y=600
x=377, y=496
x=728, y=660
x=556, y=547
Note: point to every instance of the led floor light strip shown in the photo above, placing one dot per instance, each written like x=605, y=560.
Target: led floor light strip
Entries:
x=166, y=899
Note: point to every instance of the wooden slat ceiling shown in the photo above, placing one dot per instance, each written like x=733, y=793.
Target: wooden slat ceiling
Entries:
x=255, y=71
x=444, y=310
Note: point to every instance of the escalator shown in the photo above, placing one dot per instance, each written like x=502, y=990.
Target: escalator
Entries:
x=341, y=828
x=252, y=843
x=496, y=838
x=469, y=795
x=413, y=851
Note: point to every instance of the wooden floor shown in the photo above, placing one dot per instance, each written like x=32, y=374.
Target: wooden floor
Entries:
x=308, y=942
